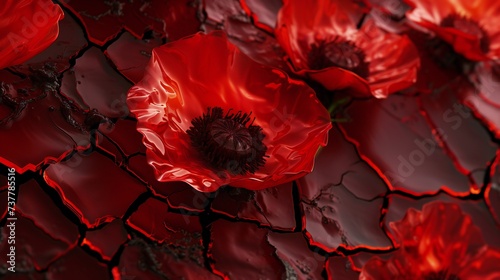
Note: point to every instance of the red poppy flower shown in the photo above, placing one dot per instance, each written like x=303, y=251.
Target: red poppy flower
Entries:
x=469, y=26
x=323, y=43
x=27, y=27
x=440, y=242
x=211, y=116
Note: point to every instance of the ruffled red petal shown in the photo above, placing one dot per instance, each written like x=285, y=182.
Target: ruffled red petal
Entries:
x=393, y=65
x=439, y=240
x=465, y=44
x=435, y=11
x=27, y=27
x=393, y=59
x=430, y=13
x=335, y=78
x=177, y=88
x=484, y=267
x=302, y=23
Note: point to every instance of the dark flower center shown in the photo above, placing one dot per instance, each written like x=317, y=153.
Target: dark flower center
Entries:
x=338, y=53
x=441, y=275
x=444, y=54
x=468, y=26
x=227, y=141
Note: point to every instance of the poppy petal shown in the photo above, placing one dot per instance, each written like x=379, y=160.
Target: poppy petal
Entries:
x=177, y=88
x=27, y=27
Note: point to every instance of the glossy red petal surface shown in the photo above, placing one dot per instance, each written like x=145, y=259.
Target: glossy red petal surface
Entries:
x=292, y=137
x=301, y=24
x=429, y=14
x=463, y=43
x=242, y=251
x=484, y=267
x=93, y=188
x=131, y=55
x=438, y=239
x=78, y=265
x=30, y=127
x=477, y=210
x=154, y=221
x=493, y=198
x=103, y=20
x=336, y=79
x=106, y=217
x=393, y=59
x=293, y=251
x=99, y=85
x=27, y=28
x=439, y=233
x=271, y=207
x=336, y=218
x=106, y=240
x=406, y=154
x=68, y=44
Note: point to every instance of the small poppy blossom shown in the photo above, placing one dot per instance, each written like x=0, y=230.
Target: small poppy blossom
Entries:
x=323, y=42
x=439, y=242
x=212, y=116
x=27, y=27
x=469, y=26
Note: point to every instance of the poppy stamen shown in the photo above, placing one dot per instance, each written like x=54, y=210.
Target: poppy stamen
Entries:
x=228, y=141
x=338, y=53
